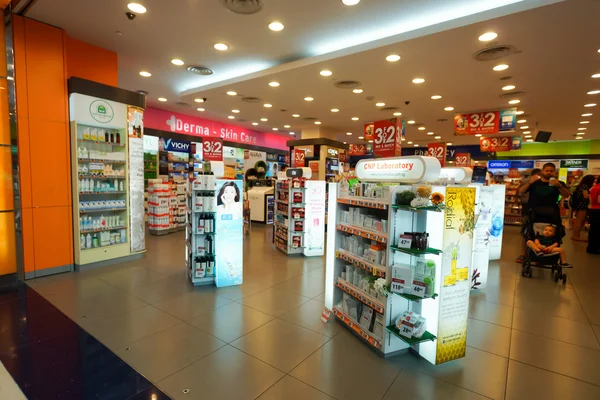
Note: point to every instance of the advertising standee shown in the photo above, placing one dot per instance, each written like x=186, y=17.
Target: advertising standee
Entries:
x=229, y=224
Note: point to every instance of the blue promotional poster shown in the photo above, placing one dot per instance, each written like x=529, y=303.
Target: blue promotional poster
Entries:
x=508, y=120
x=229, y=237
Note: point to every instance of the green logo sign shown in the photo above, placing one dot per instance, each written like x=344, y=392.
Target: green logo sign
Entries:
x=101, y=111
x=582, y=164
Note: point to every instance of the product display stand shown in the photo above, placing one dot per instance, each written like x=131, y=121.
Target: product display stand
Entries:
x=166, y=207
x=422, y=250
x=299, y=214
x=214, y=231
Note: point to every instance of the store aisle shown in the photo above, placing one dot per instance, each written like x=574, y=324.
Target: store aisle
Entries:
x=265, y=340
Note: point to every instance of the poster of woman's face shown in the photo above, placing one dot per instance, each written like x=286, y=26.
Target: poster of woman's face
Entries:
x=229, y=194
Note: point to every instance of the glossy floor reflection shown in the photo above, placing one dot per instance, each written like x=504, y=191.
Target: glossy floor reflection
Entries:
x=527, y=338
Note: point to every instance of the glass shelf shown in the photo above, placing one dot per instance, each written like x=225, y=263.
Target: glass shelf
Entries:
x=99, y=142
x=101, y=160
x=416, y=209
x=101, y=210
x=427, y=337
x=114, y=228
x=88, y=176
x=412, y=297
x=429, y=250
x=102, y=193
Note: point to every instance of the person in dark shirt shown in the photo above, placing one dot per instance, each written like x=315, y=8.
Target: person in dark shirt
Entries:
x=546, y=243
x=544, y=189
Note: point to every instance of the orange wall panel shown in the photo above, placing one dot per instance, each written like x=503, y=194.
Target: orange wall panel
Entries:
x=92, y=63
x=50, y=164
x=46, y=85
x=20, y=65
x=28, y=245
x=52, y=237
x=8, y=255
x=24, y=163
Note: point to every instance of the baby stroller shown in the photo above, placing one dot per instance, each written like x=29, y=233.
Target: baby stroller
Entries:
x=539, y=218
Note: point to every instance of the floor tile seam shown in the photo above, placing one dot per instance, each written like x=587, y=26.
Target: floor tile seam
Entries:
x=274, y=316
x=586, y=314
x=104, y=316
x=554, y=372
x=262, y=361
x=301, y=326
x=229, y=342
x=553, y=315
x=489, y=352
x=492, y=323
x=558, y=340
x=512, y=317
x=270, y=387
x=392, y=383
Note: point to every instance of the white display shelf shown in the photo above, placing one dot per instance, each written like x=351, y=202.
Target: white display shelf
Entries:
x=374, y=269
x=360, y=295
x=364, y=202
x=380, y=237
x=355, y=326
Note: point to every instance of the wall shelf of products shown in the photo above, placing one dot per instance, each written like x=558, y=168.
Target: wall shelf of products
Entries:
x=368, y=234
x=364, y=202
x=360, y=295
x=426, y=337
x=355, y=326
x=289, y=194
x=371, y=268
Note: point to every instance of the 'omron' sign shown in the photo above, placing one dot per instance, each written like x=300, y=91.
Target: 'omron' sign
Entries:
x=176, y=145
x=498, y=164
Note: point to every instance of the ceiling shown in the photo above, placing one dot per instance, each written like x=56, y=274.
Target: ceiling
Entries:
x=555, y=59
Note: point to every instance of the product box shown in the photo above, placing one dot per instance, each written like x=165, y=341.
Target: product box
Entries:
x=378, y=326
x=366, y=318
x=402, y=277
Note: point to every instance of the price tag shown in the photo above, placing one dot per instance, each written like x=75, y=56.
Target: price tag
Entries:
x=418, y=289
x=325, y=315
x=407, y=329
x=405, y=242
x=397, y=285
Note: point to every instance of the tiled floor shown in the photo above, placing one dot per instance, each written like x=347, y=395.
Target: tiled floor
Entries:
x=527, y=338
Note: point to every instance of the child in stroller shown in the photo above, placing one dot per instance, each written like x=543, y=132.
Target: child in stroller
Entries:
x=546, y=243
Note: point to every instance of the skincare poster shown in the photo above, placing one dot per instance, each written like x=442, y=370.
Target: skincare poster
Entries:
x=137, y=228
x=481, y=250
x=229, y=237
x=459, y=227
x=497, y=228
x=314, y=224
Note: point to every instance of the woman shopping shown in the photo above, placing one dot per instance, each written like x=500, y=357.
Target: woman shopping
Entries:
x=579, y=204
x=593, y=246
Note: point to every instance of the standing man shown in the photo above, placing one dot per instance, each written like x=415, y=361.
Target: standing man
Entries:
x=525, y=203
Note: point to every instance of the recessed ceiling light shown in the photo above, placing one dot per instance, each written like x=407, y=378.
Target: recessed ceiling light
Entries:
x=221, y=46
x=276, y=26
x=397, y=114
x=296, y=115
x=418, y=80
x=578, y=138
x=581, y=129
x=275, y=129
x=527, y=136
x=317, y=122
x=199, y=100
x=255, y=123
x=596, y=76
x=584, y=122
x=308, y=99
x=590, y=105
x=393, y=58
x=478, y=135
x=526, y=132
x=232, y=93
x=267, y=105
x=448, y=144
x=292, y=133
x=136, y=8
x=594, y=92
x=409, y=143
x=437, y=137
x=520, y=112
x=287, y=126
x=587, y=115
x=581, y=133
x=370, y=141
x=524, y=127
x=449, y=109
x=274, y=84
x=326, y=72
x=410, y=122
x=235, y=111
x=264, y=119
x=335, y=110
x=403, y=139
x=350, y=2
x=345, y=143
x=355, y=118
x=177, y=61
x=500, y=67
x=530, y=140
x=380, y=104
x=200, y=109
x=421, y=128
x=231, y=117
x=430, y=133
x=162, y=99
x=486, y=37
x=349, y=133
x=361, y=137
x=508, y=87
x=514, y=101
x=358, y=91
x=145, y=74
x=521, y=121
x=436, y=97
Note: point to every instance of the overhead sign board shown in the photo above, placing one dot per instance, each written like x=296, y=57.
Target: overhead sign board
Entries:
x=494, y=144
x=386, y=138
x=437, y=150
x=581, y=164
x=488, y=122
x=399, y=169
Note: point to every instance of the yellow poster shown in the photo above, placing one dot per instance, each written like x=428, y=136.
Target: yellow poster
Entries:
x=459, y=224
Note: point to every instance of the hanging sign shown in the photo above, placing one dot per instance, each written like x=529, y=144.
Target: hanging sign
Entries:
x=493, y=144
x=462, y=160
x=399, y=169
x=174, y=145
x=358, y=149
x=516, y=142
x=487, y=122
x=581, y=164
x=368, y=130
x=437, y=150
x=212, y=149
x=386, y=138
x=299, y=158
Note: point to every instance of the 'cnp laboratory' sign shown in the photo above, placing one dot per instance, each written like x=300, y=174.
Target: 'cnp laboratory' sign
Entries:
x=457, y=174
x=399, y=169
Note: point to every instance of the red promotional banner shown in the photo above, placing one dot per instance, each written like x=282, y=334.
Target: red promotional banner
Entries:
x=386, y=138
x=212, y=149
x=488, y=122
x=368, y=131
x=463, y=160
x=357, y=149
x=500, y=143
x=299, y=158
x=437, y=150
